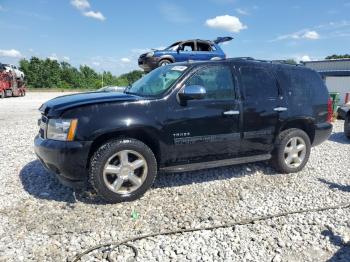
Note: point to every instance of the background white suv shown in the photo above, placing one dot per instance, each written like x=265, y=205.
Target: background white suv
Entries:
x=13, y=68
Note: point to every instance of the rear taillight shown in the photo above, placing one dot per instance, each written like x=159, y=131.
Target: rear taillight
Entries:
x=330, y=110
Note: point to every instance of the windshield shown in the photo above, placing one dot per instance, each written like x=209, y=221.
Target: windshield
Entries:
x=173, y=46
x=157, y=81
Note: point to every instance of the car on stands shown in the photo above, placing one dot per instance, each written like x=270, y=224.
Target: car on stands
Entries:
x=14, y=69
x=184, y=117
x=182, y=51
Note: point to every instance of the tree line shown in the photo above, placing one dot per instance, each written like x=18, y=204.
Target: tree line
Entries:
x=47, y=73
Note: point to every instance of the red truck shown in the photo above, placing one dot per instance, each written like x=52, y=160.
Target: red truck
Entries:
x=10, y=85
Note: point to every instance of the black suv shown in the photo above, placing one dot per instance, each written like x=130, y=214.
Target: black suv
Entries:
x=182, y=117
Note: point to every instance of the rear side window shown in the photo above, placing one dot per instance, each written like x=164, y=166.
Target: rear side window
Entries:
x=217, y=81
x=258, y=82
x=303, y=85
x=204, y=47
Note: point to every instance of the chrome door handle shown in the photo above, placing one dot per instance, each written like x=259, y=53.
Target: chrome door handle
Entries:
x=231, y=113
x=280, y=109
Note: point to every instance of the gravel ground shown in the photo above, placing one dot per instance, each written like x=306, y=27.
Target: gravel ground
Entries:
x=40, y=220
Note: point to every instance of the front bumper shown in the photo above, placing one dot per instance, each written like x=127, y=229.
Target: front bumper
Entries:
x=148, y=63
x=322, y=132
x=67, y=160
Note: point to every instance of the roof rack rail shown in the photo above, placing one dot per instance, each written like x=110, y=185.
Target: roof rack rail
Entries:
x=252, y=59
x=286, y=62
x=244, y=58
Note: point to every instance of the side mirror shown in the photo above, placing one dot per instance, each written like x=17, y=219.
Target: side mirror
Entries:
x=192, y=92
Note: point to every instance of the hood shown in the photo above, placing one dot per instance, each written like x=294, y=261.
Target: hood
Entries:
x=56, y=106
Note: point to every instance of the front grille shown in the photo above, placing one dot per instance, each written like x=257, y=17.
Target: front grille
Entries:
x=43, y=126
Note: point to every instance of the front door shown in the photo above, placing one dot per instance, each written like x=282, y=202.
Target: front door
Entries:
x=185, y=52
x=207, y=129
x=262, y=105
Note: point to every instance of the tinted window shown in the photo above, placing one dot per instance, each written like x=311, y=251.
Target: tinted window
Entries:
x=258, y=82
x=299, y=84
x=217, y=80
x=204, y=47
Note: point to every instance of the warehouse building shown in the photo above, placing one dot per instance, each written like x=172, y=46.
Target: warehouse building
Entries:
x=336, y=74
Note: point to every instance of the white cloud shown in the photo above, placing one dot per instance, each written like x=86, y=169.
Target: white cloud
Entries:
x=125, y=60
x=84, y=7
x=303, y=34
x=80, y=4
x=10, y=53
x=227, y=23
x=313, y=35
x=305, y=58
x=242, y=11
x=95, y=15
x=66, y=58
x=53, y=56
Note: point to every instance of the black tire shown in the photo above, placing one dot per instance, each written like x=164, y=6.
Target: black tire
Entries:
x=2, y=94
x=164, y=62
x=278, y=155
x=347, y=126
x=104, y=153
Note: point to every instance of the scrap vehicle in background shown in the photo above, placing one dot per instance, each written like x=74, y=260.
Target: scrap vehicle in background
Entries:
x=14, y=70
x=182, y=51
x=119, y=89
x=10, y=85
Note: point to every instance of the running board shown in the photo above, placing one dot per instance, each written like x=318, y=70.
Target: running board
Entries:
x=217, y=163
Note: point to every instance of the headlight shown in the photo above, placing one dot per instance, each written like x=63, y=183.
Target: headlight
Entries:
x=150, y=54
x=61, y=129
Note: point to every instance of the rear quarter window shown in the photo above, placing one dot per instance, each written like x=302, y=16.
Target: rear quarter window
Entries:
x=303, y=86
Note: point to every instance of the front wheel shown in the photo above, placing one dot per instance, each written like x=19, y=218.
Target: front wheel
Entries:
x=347, y=126
x=164, y=62
x=292, y=151
x=122, y=170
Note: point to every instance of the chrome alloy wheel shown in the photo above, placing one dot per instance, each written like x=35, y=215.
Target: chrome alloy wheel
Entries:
x=295, y=152
x=125, y=172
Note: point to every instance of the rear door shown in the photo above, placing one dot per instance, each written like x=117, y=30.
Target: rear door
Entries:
x=204, y=51
x=263, y=105
x=185, y=52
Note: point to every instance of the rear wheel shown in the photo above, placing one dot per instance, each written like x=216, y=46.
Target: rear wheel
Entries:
x=347, y=126
x=122, y=170
x=292, y=151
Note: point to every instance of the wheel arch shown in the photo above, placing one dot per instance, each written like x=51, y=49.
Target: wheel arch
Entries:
x=167, y=57
x=145, y=136
x=305, y=124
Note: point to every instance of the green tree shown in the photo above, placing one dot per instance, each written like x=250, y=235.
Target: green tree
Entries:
x=337, y=56
x=46, y=73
